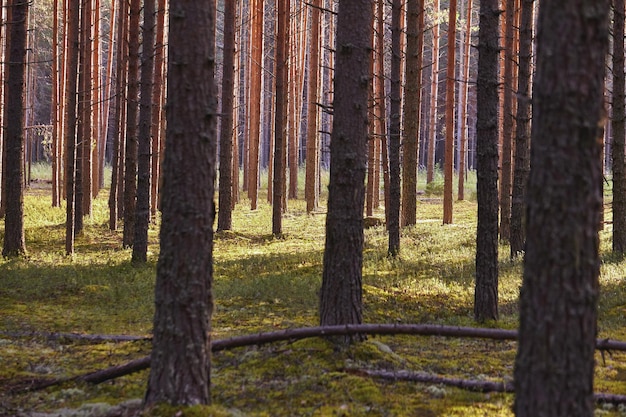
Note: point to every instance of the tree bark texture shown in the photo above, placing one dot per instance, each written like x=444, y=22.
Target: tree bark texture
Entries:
x=619, y=133
x=144, y=139
x=448, y=160
x=412, y=106
x=13, y=170
x=558, y=301
x=341, y=293
x=180, y=371
x=311, y=184
x=224, y=217
x=486, y=286
x=395, y=95
x=522, y=130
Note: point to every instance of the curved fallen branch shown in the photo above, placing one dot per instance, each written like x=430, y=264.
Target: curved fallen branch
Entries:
x=321, y=331
x=467, y=384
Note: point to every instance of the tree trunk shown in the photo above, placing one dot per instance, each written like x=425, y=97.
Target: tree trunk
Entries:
x=157, y=108
x=180, y=360
x=71, y=84
x=449, y=143
x=395, y=94
x=522, y=130
x=13, y=171
x=412, y=105
x=487, y=103
x=554, y=366
x=381, y=97
x=618, y=129
x=224, y=217
x=54, y=108
x=464, y=91
x=341, y=292
x=434, y=88
x=280, y=127
x=132, y=114
x=256, y=69
x=311, y=185
x=142, y=213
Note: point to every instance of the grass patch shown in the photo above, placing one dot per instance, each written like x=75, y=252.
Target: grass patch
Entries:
x=263, y=283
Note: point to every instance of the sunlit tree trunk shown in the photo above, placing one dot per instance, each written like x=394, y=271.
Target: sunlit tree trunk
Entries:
x=97, y=150
x=157, y=108
x=449, y=143
x=13, y=171
x=311, y=185
x=341, y=292
x=256, y=70
x=487, y=103
x=434, y=89
x=54, y=110
x=464, y=91
x=554, y=367
x=522, y=130
x=381, y=107
x=181, y=346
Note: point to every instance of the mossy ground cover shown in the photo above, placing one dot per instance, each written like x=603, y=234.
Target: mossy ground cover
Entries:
x=265, y=283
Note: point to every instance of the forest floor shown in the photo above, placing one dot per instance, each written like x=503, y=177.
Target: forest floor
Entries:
x=263, y=283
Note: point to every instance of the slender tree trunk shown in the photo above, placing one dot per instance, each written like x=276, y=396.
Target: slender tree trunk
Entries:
x=123, y=96
x=554, y=367
x=393, y=219
x=13, y=172
x=341, y=292
x=71, y=84
x=6, y=67
x=487, y=103
x=619, y=133
x=256, y=70
x=181, y=360
x=448, y=172
x=97, y=150
x=157, y=108
x=412, y=103
x=224, y=217
x=381, y=107
x=132, y=114
x=116, y=24
x=54, y=110
x=434, y=88
x=464, y=91
x=522, y=130
x=311, y=185
x=142, y=213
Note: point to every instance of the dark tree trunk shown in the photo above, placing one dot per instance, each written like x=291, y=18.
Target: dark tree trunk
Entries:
x=13, y=170
x=71, y=85
x=522, y=130
x=412, y=105
x=132, y=113
x=486, y=291
x=280, y=131
x=341, y=293
x=224, y=216
x=393, y=218
x=142, y=212
x=157, y=109
x=558, y=300
x=618, y=129
x=180, y=360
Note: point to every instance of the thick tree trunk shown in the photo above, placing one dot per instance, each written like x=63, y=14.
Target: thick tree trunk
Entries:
x=486, y=291
x=412, y=105
x=395, y=94
x=448, y=159
x=522, y=131
x=180, y=360
x=142, y=212
x=554, y=366
x=341, y=292
x=618, y=129
x=13, y=170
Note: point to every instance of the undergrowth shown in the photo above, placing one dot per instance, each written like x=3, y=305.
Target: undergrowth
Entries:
x=265, y=283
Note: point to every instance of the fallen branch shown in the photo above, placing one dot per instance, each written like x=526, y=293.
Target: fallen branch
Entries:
x=467, y=384
x=95, y=338
x=324, y=331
